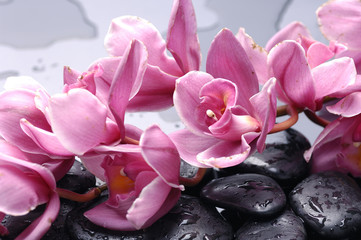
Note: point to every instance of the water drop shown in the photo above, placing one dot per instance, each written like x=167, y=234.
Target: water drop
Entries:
x=188, y=236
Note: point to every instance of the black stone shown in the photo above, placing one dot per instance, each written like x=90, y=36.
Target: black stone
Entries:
x=329, y=204
x=191, y=219
x=282, y=159
x=287, y=226
x=251, y=194
x=77, y=179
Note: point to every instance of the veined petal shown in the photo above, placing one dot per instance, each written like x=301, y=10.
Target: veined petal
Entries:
x=161, y=155
x=124, y=29
x=227, y=59
x=333, y=76
x=318, y=53
x=127, y=81
x=347, y=107
x=78, y=120
x=189, y=145
x=288, y=63
x=256, y=54
x=182, y=39
x=186, y=99
x=292, y=31
x=341, y=21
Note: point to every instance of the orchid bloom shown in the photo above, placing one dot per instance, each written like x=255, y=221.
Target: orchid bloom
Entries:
x=223, y=110
x=162, y=70
x=338, y=145
x=143, y=183
x=340, y=21
x=24, y=186
x=303, y=82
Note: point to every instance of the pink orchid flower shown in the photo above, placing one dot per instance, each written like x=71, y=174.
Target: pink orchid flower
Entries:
x=143, y=183
x=303, y=79
x=162, y=70
x=340, y=21
x=24, y=186
x=223, y=110
x=338, y=145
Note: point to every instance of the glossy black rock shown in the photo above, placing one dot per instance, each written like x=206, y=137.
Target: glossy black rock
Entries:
x=282, y=159
x=251, y=194
x=329, y=204
x=191, y=219
x=287, y=226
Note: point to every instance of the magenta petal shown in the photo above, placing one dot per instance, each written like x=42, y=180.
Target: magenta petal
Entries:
x=189, y=145
x=78, y=120
x=341, y=21
x=186, y=97
x=333, y=76
x=348, y=106
x=257, y=55
x=44, y=139
x=124, y=29
x=227, y=59
x=289, y=65
x=225, y=154
x=292, y=31
x=127, y=81
x=182, y=39
x=148, y=203
x=161, y=155
x=70, y=76
x=318, y=53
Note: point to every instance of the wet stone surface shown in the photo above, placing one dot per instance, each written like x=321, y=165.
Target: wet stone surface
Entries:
x=78, y=179
x=286, y=226
x=191, y=219
x=282, y=159
x=329, y=204
x=252, y=195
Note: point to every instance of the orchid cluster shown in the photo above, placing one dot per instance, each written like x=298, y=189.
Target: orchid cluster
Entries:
x=228, y=110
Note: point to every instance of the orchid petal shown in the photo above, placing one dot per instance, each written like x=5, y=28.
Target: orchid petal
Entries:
x=78, y=120
x=333, y=76
x=127, y=81
x=292, y=31
x=318, y=53
x=22, y=82
x=341, y=21
x=124, y=29
x=189, y=145
x=256, y=54
x=70, y=76
x=289, y=65
x=182, y=39
x=348, y=106
x=227, y=59
x=161, y=155
x=186, y=97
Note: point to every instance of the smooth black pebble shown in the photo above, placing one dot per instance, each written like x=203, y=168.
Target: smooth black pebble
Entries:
x=252, y=195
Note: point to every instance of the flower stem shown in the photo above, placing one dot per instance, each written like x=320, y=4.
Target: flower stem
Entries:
x=191, y=182
x=130, y=140
x=90, y=195
x=287, y=123
x=316, y=119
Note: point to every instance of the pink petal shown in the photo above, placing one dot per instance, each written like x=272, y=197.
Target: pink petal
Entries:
x=161, y=155
x=227, y=59
x=189, y=145
x=47, y=141
x=70, y=76
x=318, y=53
x=156, y=91
x=124, y=29
x=182, y=39
x=341, y=21
x=333, y=76
x=78, y=120
x=225, y=154
x=127, y=81
x=288, y=63
x=292, y=31
x=22, y=82
x=257, y=55
x=149, y=202
x=186, y=99
x=348, y=106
